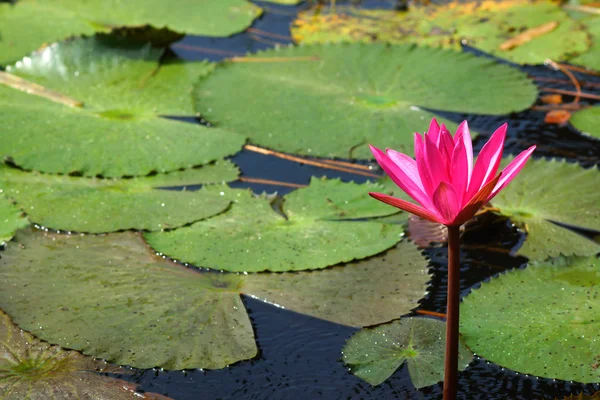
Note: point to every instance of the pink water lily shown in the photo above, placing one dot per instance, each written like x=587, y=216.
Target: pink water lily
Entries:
x=443, y=181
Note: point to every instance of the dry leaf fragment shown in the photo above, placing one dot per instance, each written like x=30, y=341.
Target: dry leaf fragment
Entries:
x=557, y=117
x=528, y=35
x=552, y=99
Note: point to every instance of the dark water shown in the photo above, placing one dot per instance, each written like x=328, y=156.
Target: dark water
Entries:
x=299, y=356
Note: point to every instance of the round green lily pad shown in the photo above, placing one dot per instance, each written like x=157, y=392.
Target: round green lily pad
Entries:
x=152, y=312
x=587, y=121
x=541, y=320
x=25, y=25
x=334, y=100
x=553, y=191
x=106, y=205
x=31, y=369
x=374, y=354
x=485, y=25
x=119, y=130
x=318, y=228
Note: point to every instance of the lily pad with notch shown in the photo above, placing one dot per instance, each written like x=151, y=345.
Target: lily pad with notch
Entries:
x=319, y=226
x=541, y=320
x=105, y=205
x=374, y=354
x=155, y=313
x=550, y=192
x=119, y=130
x=11, y=219
x=333, y=100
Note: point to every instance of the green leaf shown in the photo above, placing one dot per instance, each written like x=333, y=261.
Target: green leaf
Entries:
x=340, y=98
x=153, y=312
x=391, y=283
x=106, y=205
x=587, y=121
x=28, y=24
x=590, y=58
x=31, y=369
x=252, y=237
x=11, y=219
x=374, y=354
x=485, y=26
x=287, y=2
x=118, y=131
x=541, y=320
x=555, y=191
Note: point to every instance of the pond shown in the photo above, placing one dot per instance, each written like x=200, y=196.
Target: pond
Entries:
x=248, y=267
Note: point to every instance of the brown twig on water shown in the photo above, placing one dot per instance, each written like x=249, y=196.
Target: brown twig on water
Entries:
x=268, y=34
x=199, y=49
x=431, y=313
x=320, y=164
x=270, y=182
x=579, y=69
x=570, y=93
x=570, y=76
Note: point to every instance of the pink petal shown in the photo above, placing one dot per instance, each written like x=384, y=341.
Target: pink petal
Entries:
x=446, y=202
x=446, y=147
x=464, y=136
x=407, y=206
x=432, y=167
x=459, y=171
x=510, y=172
x=407, y=164
x=488, y=160
x=434, y=130
x=475, y=203
x=404, y=180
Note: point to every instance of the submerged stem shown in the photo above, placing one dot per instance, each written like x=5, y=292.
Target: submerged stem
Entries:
x=452, y=314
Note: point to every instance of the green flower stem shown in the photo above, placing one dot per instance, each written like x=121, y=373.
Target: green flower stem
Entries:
x=452, y=313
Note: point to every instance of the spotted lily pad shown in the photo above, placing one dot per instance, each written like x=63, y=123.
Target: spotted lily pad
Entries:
x=118, y=131
x=553, y=191
x=587, y=121
x=336, y=99
x=590, y=58
x=106, y=205
x=31, y=369
x=29, y=24
x=541, y=320
x=11, y=219
x=318, y=228
x=153, y=312
x=374, y=354
x=485, y=25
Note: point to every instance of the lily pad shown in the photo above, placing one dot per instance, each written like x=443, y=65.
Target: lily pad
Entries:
x=587, y=121
x=485, y=25
x=106, y=205
x=590, y=58
x=153, y=312
x=318, y=229
x=553, y=191
x=336, y=99
x=31, y=369
x=374, y=354
x=541, y=320
x=25, y=26
x=11, y=219
x=119, y=130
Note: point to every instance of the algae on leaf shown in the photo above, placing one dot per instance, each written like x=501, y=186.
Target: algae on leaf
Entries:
x=547, y=192
x=155, y=313
x=119, y=130
x=34, y=370
x=105, y=205
x=485, y=25
x=374, y=354
x=587, y=121
x=541, y=320
x=28, y=24
x=336, y=99
x=318, y=228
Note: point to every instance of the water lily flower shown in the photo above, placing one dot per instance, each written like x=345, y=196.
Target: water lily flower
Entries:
x=442, y=180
